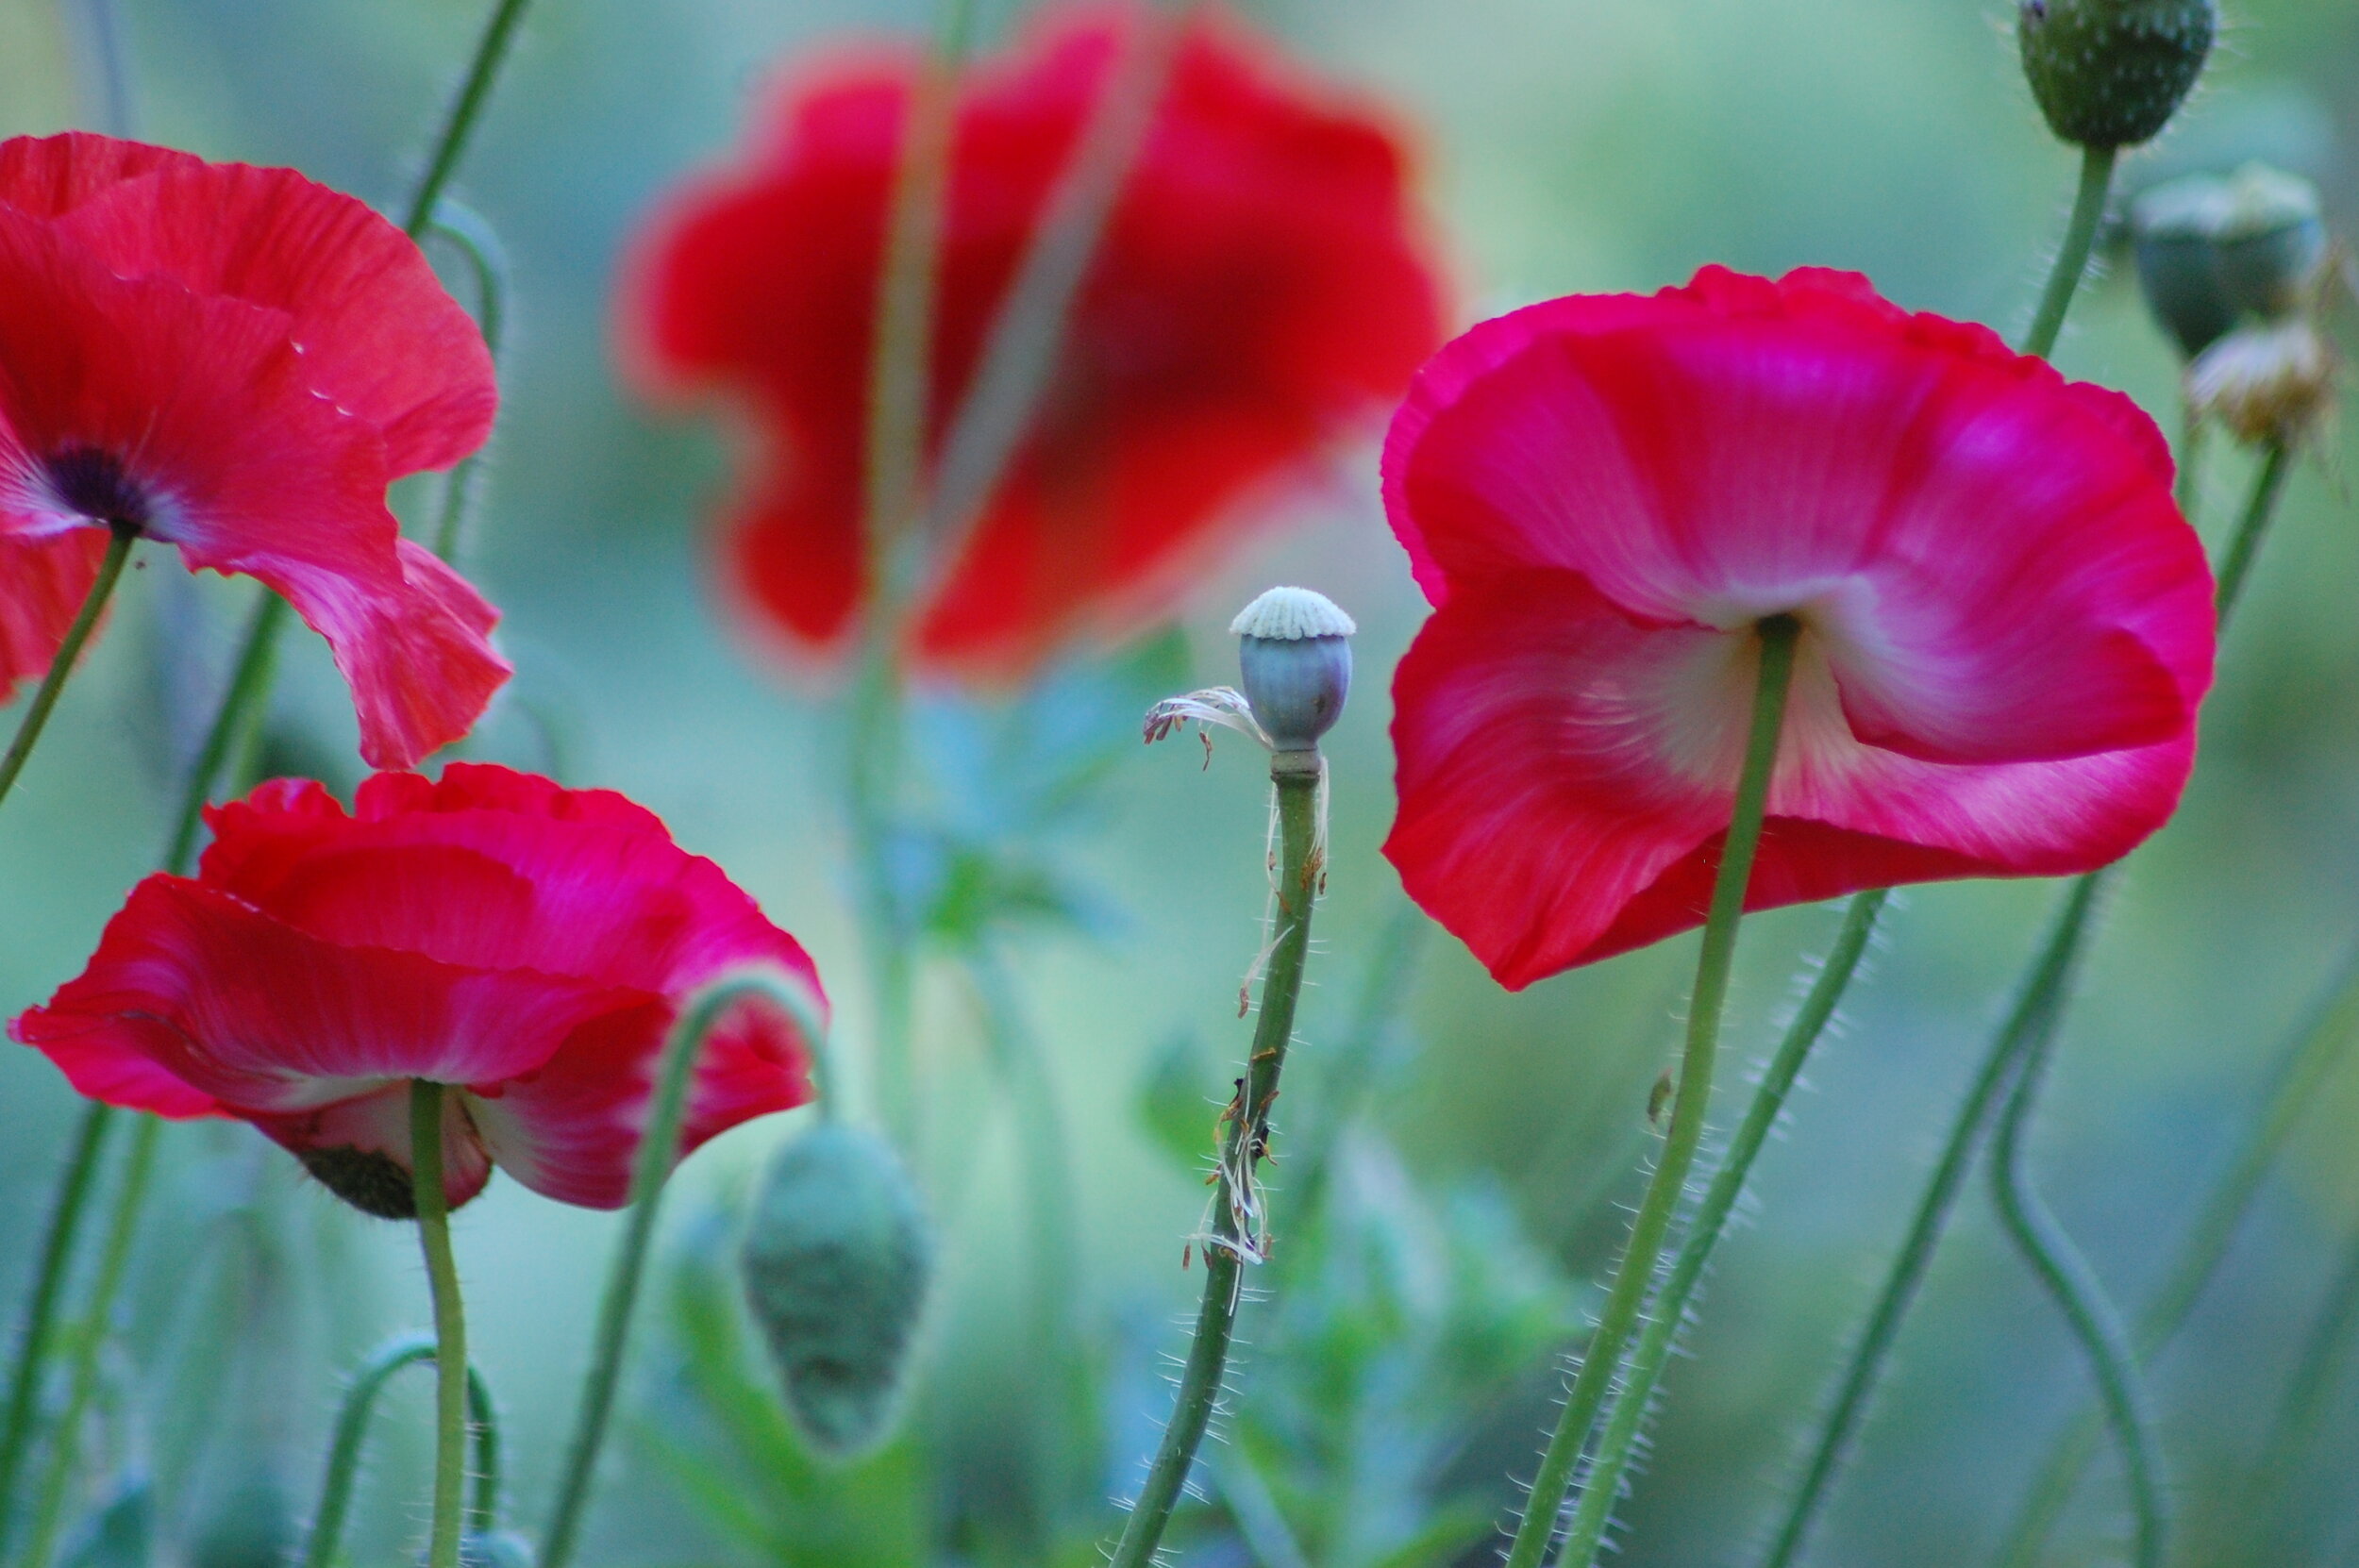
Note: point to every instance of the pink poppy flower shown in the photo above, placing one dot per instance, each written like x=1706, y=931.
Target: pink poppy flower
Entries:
x=2007, y=624
x=236, y=361
x=1261, y=288
x=527, y=944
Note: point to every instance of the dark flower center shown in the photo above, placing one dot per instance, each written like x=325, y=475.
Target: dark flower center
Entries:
x=372, y=1183
x=94, y=482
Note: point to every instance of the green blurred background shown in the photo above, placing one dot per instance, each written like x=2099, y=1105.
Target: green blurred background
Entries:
x=1566, y=147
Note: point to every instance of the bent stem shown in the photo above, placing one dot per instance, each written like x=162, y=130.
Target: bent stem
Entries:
x=2072, y=256
x=2072, y=1284
x=2035, y=1006
x=2316, y=1049
x=352, y=1430
x=1235, y=1233
x=450, y=1324
x=1627, y=1296
x=1627, y=1416
x=51, y=686
x=659, y=1150
x=40, y=1306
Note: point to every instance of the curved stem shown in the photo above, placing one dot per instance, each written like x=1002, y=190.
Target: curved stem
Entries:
x=2317, y=1048
x=450, y=1324
x=1602, y=1359
x=659, y=1150
x=2042, y=990
x=51, y=686
x=1628, y=1415
x=450, y=145
x=2072, y=1284
x=352, y=1430
x=1238, y=1229
x=114, y=1260
x=2072, y=257
x=40, y=1306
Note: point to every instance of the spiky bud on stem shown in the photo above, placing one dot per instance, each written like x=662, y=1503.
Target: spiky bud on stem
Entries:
x=2111, y=73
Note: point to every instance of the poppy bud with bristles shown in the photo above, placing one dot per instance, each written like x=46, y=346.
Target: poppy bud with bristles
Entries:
x=2111, y=73
x=2270, y=382
x=1294, y=654
x=2174, y=230
x=2272, y=240
x=837, y=1258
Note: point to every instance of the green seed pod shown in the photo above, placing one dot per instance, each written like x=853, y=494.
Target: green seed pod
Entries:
x=2272, y=239
x=2173, y=229
x=1295, y=653
x=837, y=1260
x=2111, y=73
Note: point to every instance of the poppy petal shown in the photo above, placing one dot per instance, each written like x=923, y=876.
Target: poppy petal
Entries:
x=379, y=1124
x=47, y=580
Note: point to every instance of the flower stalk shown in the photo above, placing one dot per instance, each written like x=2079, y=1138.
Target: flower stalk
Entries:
x=1627, y=1297
x=450, y=1324
x=352, y=1429
x=2072, y=257
x=44, y=701
x=40, y=1306
x=1237, y=1232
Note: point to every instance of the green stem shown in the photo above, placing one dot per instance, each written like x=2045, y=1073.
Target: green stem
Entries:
x=2303, y=1070
x=1627, y=1297
x=450, y=1324
x=491, y=51
x=51, y=686
x=2293, y=1435
x=1628, y=1415
x=241, y=710
x=1237, y=1214
x=659, y=1150
x=2035, y=1009
x=466, y=232
x=2267, y=485
x=352, y=1429
x=2072, y=257
x=2088, y=1312
x=114, y=1260
x=40, y=1306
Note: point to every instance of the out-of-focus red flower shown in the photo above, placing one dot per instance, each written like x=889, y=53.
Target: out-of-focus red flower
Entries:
x=2007, y=624
x=527, y=944
x=237, y=361
x=1260, y=286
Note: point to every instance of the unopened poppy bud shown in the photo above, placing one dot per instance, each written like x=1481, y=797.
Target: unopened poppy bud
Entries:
x=836, y=1262
x=1295, y=652
x=2272, y=239
x=2273, y=381
x=2174, y=230
x=2111, y=73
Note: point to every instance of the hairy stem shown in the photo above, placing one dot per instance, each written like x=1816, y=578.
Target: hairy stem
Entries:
x=51, y=686
x=1237, y=1215
x=659, y=1150
x=450, y=1324
x=326, y=1540
x=1627, y=1297
x=1627, y=1415
x=2072, y=257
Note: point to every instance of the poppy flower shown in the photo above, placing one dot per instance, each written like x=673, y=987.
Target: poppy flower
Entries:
x=1260, y=286
x=527, y=944
x=2007, y=625
x=236, y=361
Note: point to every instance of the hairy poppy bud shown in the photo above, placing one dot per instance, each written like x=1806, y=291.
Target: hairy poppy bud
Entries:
x=2111, y=73
x=2272, y=237
x=2273, y=381
x=1295, y=652
x=836, y=1261
x=2174, y=230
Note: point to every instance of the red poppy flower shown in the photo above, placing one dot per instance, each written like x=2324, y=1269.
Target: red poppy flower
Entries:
x=236, y=361
x=528, y=944
x=1257, y=287
x=2007, y=624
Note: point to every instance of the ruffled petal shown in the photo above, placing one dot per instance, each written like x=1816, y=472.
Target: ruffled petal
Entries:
x=571, y=1130
x=381, y=337
x=1566, y=774
x=262, y=1018
x=43, y=584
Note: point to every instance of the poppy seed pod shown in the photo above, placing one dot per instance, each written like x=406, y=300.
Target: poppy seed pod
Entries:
x=1294, y=654
x=2271, y=239
x=2174, y=234
x=2111, y=73
x=2272, y=381
x=836, y=1263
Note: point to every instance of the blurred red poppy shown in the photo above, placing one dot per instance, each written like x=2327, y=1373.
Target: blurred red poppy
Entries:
x=2007, y=625
x=1260, y=286
x=236, y=361
x=528, y=944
